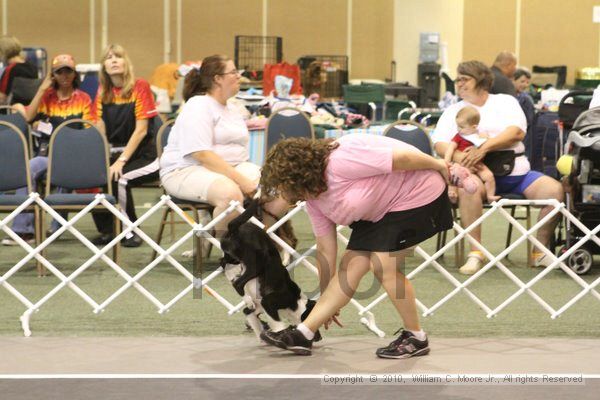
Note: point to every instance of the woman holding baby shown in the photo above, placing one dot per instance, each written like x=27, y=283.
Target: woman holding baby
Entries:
x=503, y=122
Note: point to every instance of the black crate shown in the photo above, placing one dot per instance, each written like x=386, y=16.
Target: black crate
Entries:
x=324, y=74
x=253, y=52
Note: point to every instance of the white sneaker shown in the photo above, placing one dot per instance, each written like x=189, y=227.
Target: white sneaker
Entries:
x=473, y=264
x=27, y=237
x=541, y=260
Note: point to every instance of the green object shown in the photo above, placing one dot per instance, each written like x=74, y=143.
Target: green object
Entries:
x=364, y=94
x=393, y=107
x=587, y=83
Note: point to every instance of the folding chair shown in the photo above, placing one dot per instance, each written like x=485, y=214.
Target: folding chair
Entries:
x=16, y=118
x=78, y=159
x=372, y=95
x=162, y=137
x=287, y=123
x=14, y=174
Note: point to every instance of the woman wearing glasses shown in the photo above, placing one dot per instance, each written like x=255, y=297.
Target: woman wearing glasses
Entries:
x=206, y=157
x=503, y=120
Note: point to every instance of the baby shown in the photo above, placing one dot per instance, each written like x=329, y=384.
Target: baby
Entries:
x=467, y=120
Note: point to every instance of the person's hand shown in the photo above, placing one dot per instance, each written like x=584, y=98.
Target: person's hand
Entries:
x=116, y=170
x=248, y=187
x=47, y=82
x=473, y=156
x=334, y=319
x=444, y=169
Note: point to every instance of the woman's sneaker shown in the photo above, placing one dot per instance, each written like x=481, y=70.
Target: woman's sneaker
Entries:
x=29, y=238
x=274, y=338
x=405, y=346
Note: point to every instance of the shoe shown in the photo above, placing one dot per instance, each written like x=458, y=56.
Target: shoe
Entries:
x=541, y=260
x=134, y=241
x=296, y=342
x=461, y=177
x=103, y=239
x=274, y=338
x=473, y=264
x=405, y=346
x=27, y=237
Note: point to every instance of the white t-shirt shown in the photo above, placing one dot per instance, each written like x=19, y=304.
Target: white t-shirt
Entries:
x=205, y=124
x=498, y=113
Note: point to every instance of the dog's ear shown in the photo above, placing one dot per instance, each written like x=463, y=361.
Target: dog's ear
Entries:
x=250, y=211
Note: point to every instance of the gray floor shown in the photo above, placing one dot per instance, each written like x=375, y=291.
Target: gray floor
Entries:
x=243, y=355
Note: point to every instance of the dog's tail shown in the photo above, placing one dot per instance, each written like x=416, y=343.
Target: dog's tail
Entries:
x=251, y=210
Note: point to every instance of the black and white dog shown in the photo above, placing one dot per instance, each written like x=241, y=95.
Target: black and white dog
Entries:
x=253, y=266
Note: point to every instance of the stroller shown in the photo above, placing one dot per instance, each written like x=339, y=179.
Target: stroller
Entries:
x=581, y=166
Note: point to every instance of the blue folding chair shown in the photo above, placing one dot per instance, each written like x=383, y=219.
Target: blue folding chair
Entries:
x=78, y=159
x=287, y=123
x=14, y=174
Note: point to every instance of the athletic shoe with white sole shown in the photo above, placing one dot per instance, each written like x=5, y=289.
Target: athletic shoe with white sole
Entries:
x=474, y=263
x=405, y=346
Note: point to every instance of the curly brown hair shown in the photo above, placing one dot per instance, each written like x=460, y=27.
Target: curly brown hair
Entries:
x=295, y=168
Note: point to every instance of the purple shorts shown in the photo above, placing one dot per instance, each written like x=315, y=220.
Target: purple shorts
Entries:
x=516, y=184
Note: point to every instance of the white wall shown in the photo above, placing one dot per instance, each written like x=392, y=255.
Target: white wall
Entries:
x=411, y=17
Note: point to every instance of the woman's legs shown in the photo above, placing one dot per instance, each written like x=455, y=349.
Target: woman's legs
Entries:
x=220, y=193
x=387, y=269
x=353, y=266
x=545, y=188
x=471, y=208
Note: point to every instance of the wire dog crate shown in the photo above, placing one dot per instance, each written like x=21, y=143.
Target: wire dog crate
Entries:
x=253, y=52
x=324, y=74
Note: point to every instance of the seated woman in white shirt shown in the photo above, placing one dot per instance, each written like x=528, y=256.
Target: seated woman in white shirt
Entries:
x=503, y=120
x=206, y=157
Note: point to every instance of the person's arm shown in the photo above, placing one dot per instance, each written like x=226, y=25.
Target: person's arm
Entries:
x=32, y=111
x=449, y=153
x=209, y=159
x=326, y=258
x=507, y=138
x=140, y=131
x=410, y=160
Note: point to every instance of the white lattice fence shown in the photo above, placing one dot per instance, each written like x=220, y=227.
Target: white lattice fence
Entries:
x=364, y=312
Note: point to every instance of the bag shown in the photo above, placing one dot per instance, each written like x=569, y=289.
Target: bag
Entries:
x=501, y=162
x=285, y=69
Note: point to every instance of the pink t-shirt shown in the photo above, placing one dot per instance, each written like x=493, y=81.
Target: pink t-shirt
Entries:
x=362, y=186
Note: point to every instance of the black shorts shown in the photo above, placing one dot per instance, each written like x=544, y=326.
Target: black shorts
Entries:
x=402, y=229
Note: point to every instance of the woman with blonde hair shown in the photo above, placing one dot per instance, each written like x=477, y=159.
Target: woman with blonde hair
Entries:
x=125, y=109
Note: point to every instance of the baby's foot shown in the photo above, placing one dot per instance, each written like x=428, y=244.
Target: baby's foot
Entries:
x=492, y=199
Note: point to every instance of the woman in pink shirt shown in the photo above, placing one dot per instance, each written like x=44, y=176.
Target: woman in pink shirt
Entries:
x=392, y=196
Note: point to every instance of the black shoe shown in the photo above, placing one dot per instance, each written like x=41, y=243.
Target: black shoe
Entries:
x=134, y=241
x=103, y=239
x=405, y=346
x=297, y=343
x=274, y=338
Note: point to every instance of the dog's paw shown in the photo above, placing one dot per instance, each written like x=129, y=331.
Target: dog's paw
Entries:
x=188, y=254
